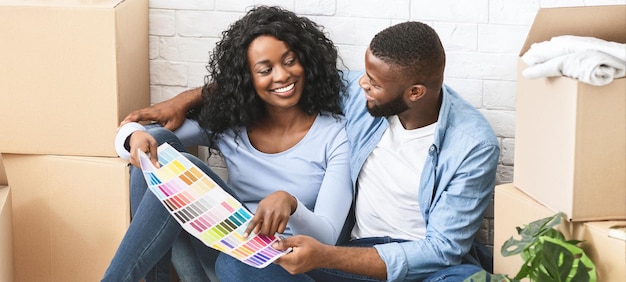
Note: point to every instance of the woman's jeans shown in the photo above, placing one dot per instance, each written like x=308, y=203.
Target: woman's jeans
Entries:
x=145, y=247
x=189, y=264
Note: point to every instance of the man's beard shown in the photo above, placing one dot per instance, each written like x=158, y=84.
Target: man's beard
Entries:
x=394, y=107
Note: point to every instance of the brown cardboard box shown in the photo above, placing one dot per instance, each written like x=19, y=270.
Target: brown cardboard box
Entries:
x=607, y=253
x=6, y=235
x=513, y=208
x=69, y=215
x=570, y=140
x=3, y=175
x=70, y=72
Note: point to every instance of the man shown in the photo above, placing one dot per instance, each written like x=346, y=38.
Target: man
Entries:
x=423, y=165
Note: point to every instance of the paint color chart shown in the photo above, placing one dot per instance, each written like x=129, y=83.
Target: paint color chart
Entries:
x=204, y=209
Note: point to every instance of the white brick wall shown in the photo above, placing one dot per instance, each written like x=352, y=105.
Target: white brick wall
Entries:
x=482, y=40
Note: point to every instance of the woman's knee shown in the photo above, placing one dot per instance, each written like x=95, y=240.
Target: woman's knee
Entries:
x=164, y=135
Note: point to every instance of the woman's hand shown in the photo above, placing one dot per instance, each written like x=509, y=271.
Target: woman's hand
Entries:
x=272, y=214
x=146, y=143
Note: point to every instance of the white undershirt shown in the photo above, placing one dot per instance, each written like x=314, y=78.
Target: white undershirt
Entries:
x=387, y=200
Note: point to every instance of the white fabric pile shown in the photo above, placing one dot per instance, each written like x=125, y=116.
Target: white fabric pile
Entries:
x=588, y=59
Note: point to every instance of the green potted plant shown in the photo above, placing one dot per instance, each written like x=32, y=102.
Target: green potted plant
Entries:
x=547, y=255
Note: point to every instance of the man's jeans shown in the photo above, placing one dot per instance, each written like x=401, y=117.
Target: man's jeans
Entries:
x=452, y=274
x=229, y=269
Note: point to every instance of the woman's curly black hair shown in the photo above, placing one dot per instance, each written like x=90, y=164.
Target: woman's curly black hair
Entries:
x=229, y=98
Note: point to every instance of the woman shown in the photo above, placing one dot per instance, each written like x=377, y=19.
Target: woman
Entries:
x=271, y=106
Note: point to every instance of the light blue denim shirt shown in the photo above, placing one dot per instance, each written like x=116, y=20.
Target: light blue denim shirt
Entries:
x=460, y=167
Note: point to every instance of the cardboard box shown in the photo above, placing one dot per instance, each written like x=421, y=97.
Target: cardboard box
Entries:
x=570, y=140
x=69, y=215
x=513, y=208
x=3, y=175
x=71, y=71
x=607, y=253
x=6, y=235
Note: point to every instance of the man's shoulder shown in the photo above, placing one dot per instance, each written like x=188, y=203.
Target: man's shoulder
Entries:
x=464, y=118
x=352, y=76
x=351, y=80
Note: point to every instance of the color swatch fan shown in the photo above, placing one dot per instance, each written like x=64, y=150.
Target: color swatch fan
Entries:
x=204, y=209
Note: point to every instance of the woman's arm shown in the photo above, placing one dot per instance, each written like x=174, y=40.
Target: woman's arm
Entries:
x=334, y=198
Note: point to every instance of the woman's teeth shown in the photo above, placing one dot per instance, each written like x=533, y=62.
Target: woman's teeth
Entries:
x=285, y=89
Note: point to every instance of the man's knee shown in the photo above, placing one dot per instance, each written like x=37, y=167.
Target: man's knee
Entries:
x=455, y=273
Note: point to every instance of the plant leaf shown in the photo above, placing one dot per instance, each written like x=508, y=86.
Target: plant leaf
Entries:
x=582, y=274
x=477, y=277
x=525, y=271
x=529, y=233
x=547, y=255
x=555, y=234
x=557, y=260
x=579, y=260
x=484, y=276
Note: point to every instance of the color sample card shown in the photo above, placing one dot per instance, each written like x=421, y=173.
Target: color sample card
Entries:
x=204, y=209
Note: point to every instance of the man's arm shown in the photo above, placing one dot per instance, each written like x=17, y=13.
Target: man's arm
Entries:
x=170, y=113
x=455, y=216
x=307, y=254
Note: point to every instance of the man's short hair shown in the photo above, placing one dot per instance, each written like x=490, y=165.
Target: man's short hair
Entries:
x=414, y=47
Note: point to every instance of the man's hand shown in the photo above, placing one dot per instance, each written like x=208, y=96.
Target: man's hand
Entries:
x=163, y=113
x=307, y=254
x=170, y=113
x=272, y=214
x=146, y=143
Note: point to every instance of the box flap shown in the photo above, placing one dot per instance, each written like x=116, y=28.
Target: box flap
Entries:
x=618, y=232
x=3, y=175
x=4, y=195
x=604, y=22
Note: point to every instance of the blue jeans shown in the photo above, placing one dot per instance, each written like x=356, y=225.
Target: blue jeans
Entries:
x=193, y=260
x=455, y=273
x=229, y=269
x=138, y=188
x=452, y=274
x=145, y=248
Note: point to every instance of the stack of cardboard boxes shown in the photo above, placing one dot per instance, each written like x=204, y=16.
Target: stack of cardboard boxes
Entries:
x=570, y=150
x=70, y=71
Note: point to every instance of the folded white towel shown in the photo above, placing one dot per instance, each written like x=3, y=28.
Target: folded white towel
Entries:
x=588, y=59
x=589, y=66
x=566, y=44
